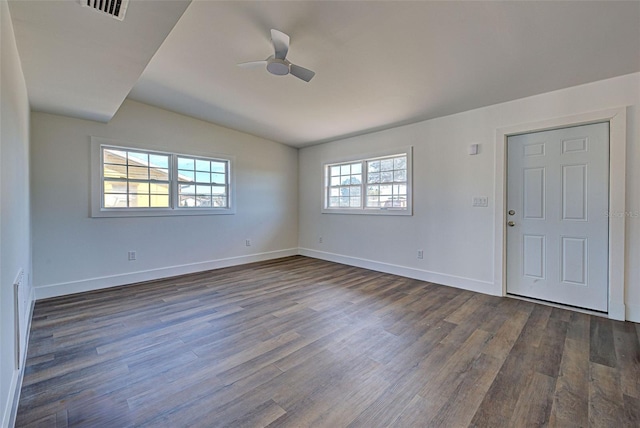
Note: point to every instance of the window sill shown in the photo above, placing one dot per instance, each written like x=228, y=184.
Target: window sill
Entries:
x=360, y=211
x=160, y=212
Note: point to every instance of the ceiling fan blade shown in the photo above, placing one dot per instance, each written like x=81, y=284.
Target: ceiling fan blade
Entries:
x=253, y=64
x=280, y=43
x=301, y=72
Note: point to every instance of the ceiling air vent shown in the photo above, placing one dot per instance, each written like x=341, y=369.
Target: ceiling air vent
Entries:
x=114, y=8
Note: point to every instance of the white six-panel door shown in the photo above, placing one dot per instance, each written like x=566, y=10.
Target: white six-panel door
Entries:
x=557, y=203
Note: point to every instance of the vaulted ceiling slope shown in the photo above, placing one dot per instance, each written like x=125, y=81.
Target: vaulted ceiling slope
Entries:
x=83, y=63
x=378, y=64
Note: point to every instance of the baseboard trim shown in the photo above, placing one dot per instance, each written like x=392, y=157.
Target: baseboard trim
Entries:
x=11, y=407
x=483, y=287
x=617, y=311
x=91, y=284
x=633, y=313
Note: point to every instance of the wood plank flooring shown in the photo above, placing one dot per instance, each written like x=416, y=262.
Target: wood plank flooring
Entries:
x=299, y=342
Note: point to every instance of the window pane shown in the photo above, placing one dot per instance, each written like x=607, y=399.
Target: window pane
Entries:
x=160, y=201
x=203, y=201
x=159, y=188
x=203, y=177
x=386, y=165
x=139, y=188
x=115, y=200
x=114, y=156
x=203, y=190
x=218, y=178
x=159, y=161
x=187, y=201
x=115, y=171
x=139, y=201
x=218, y=190
x=115, y=186
x=186, y=163
x=400, y=175
x=138, y=179
x=219, y=201
x=159, y=174
x=373, y=201
x=385, y=190
x=187, y=190
x=138, y=158
x=138, y=173
x=186, y=175
x=219, y=167
x=386, y=177
x=203, y=165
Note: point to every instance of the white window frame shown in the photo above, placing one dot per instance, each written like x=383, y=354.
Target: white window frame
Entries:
x=363, y=210
x=97, y=188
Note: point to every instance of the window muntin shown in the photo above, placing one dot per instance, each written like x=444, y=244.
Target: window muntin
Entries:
x=134, y=181
x=345, y=190
x=387, y=182
x=202, y=182
x=374, y=185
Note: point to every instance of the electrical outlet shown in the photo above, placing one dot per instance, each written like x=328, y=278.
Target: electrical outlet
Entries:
x=132, y=255
x=247, y=242
x=320, y=240
x=421, y=254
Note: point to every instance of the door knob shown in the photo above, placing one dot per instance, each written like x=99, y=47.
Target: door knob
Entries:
x=511, y=223
x=512, y=212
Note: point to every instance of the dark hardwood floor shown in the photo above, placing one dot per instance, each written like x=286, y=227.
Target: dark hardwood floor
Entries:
x=300, y=342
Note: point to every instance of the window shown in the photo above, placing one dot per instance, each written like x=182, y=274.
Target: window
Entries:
x=139, y=182
x=379, y=184
x=202, y=182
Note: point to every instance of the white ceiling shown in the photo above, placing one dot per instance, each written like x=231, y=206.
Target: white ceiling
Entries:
x=378, y=64
x=83, y=63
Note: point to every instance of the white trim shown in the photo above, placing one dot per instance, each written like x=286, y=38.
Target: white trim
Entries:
x=90, y=284
x=633, y=313
x=408, y=272
x=617, y=118
x=408, y=211
x=11, y=406
x=97, y=211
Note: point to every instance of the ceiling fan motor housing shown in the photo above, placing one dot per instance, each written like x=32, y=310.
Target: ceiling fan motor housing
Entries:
x=279, y=67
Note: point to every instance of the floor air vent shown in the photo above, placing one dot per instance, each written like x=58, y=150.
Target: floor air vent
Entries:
x=113, y=8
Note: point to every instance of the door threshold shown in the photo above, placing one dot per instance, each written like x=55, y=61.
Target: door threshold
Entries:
x=560, y=306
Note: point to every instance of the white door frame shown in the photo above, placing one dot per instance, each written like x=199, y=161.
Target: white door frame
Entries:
x=617, y=119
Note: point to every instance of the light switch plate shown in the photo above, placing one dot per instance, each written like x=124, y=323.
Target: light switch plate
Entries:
x=480, y=201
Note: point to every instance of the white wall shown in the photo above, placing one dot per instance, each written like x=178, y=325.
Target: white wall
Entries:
x=73, y=252
x=14, y=203
x=457, y=239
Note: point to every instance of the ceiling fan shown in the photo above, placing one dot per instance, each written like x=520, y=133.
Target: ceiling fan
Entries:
x=277, y=63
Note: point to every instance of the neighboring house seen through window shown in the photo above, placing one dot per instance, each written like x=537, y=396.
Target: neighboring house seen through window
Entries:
x=375, y=185
x=136, y=182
